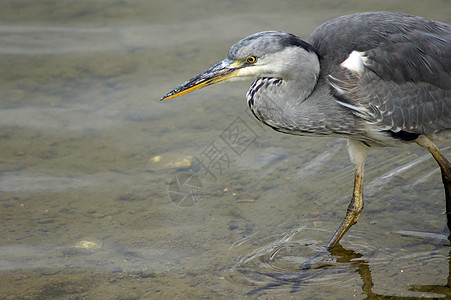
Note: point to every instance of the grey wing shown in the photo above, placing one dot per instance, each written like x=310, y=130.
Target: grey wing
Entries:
x=412, y=107
x=404, y=80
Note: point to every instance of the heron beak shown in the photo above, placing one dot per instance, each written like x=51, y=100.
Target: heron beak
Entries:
x=224, y=70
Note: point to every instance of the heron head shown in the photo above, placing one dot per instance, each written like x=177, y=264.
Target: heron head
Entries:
x=263, y=54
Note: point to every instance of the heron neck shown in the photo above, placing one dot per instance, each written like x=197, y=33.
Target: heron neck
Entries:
x=302, y=109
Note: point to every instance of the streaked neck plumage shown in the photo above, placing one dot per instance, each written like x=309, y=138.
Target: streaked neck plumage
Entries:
x=291, y=101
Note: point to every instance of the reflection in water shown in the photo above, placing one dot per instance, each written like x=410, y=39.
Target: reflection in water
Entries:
x=362, y=267
x=354, y=263
x=262, y=268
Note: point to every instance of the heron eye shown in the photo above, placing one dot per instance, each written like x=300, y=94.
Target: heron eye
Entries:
x=251, y=59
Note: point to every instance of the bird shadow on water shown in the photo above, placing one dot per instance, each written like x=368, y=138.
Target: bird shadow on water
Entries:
x=336, y=263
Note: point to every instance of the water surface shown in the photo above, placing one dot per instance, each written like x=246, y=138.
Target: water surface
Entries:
x=102, y=189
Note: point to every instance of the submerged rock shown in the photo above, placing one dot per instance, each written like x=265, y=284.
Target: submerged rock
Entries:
x=169, y=161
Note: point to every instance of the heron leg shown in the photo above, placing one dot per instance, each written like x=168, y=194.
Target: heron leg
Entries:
x=445, y=168
x=357, y=151
x=354, y=209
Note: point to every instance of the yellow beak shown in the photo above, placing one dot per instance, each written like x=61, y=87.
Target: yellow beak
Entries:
x=224, y=70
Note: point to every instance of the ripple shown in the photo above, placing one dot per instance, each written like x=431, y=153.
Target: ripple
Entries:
x=380, y=182
x=377, y=184
x=274, y=264
x=277, y=262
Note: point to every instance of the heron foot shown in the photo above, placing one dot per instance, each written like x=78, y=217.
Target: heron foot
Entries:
x=318, y=260
x=322, y=262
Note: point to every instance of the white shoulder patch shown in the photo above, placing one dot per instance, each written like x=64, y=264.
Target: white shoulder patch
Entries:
x=355, y=62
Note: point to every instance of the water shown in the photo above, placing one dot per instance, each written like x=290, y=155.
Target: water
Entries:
x=88, y=155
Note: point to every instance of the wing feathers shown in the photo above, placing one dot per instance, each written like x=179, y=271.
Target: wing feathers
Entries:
x=405, y=82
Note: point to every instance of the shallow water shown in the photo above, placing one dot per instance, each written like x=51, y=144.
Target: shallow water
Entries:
x=102, y=189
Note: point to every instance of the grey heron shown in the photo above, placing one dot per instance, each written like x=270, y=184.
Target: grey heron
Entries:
x=376, y=78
